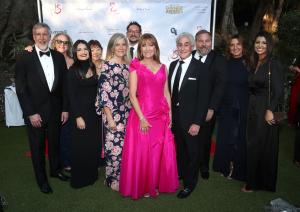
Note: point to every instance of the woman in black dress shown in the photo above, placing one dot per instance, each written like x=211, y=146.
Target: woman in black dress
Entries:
x=230, y=155
x=86, y=145
x=262, y=131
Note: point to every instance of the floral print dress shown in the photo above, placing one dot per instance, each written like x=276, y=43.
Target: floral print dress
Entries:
x=113, y=92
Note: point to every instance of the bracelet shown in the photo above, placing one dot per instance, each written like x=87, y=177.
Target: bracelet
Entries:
x=141, y=119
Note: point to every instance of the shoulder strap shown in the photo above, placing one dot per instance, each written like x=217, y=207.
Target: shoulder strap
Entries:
x=269, y=78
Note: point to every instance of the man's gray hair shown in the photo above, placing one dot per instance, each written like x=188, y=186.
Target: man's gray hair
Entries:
x=186, y=35
x=41, y=25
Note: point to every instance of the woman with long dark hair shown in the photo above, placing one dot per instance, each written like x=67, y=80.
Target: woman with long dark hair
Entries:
x=85, y=146
x=266, y=91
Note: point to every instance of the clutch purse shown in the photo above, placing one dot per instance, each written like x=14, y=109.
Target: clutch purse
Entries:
x=279, y=114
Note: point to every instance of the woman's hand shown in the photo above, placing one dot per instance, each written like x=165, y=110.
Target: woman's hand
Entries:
x=144, y=125
x=112, y=124
x=80, y=123
x=269, y=117
x=29, y=48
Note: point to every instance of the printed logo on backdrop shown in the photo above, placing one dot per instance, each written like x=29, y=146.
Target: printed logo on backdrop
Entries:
x=173, y=31
x=173, y=55
x=174, y=9
x=94, y=19
x=57, y=8
x=113, y=7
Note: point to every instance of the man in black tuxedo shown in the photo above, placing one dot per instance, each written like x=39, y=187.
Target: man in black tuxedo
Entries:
x=216, y=77
x=189, y=107
x=41, y=91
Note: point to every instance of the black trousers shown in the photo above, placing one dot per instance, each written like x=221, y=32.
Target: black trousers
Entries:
x=187, y=148
x=205, y=136
x=36, y=137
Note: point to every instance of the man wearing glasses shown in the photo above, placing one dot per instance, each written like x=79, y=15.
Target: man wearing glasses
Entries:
x=42, y=96
x=134, y=32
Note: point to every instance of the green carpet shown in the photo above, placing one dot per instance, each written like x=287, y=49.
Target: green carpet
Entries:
x=18, y=185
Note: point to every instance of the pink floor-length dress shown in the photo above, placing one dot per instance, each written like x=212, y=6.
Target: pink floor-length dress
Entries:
x=149, y=159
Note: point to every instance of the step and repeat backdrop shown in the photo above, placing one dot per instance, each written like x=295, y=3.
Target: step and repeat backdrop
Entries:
x=94, y=19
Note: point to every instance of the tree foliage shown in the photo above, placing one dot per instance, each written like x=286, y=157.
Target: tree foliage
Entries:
x=288, y=34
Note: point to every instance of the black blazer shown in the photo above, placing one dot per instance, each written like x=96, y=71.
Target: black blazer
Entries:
x=193, y=99
x=32, y=89
x=215, y=68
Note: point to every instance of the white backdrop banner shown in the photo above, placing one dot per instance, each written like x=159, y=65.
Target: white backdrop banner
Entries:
x=92, y=19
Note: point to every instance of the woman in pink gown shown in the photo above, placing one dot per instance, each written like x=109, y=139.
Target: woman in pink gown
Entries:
x=149, y=157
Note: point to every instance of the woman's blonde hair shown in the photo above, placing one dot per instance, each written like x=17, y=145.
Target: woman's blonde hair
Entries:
x=112, y=45
x=70, y=44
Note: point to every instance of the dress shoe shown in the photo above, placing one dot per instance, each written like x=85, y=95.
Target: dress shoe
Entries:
x=67, y=169
x=46, y=189
x=61, y=176
x=205, y=175
x=184, y=193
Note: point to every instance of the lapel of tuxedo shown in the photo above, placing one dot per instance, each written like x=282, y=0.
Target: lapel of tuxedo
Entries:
x=209, y=58
x=56, y=69
x=39, y=68
x=188, y=73
x=171, y=71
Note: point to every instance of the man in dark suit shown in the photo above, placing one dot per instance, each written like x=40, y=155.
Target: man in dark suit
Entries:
x=189, y=107
x=216, y=77
x=41, y=91
x=134, y=33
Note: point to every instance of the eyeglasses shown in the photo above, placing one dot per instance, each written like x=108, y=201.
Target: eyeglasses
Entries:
x=62, y=42
x=134, y=32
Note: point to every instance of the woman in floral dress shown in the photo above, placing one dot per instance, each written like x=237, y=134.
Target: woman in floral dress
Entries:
x=113, y=101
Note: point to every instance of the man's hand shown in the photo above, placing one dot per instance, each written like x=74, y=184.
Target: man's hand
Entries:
x=209, y=115
x=194, y=129
x=35, y=120
x=64, y=117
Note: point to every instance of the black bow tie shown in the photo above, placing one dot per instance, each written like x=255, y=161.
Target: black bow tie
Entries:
x=44, y=53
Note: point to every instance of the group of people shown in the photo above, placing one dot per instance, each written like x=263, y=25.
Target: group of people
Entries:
x=153, y=124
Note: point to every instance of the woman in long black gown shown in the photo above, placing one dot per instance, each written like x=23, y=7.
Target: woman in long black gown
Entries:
x=85, y=146
x=230, y=155
x=262, y=131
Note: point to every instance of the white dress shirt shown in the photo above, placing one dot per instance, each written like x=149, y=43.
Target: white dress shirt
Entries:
x=197, y=57
x=48, y=66
x=184, y=68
